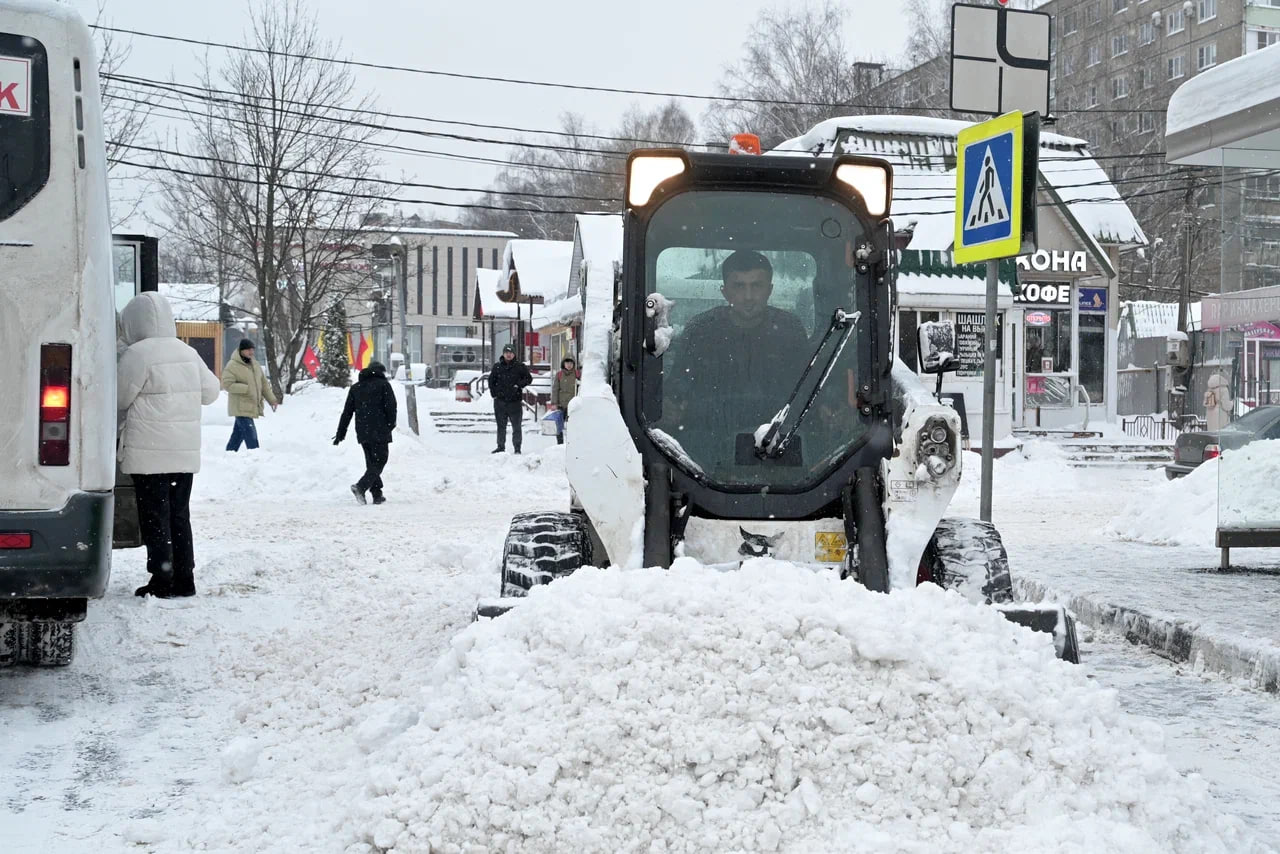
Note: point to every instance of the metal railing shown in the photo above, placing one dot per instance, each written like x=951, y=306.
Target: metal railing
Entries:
x=1159, y=429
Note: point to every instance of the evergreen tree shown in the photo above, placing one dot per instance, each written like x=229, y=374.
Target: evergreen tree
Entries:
x=335, y=367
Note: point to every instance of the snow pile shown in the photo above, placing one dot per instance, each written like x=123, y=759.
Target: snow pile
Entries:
x=1187, y=511
x=1182, y=512
x=1017, y=474
x=769, y=709
x=1249, y=492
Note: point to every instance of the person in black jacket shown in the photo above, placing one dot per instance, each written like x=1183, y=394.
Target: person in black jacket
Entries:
x=373, y=404
x=506, y=383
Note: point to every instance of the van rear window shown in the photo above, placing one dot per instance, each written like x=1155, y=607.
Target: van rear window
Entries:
x=24, y=121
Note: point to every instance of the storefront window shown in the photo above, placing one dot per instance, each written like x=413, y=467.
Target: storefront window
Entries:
x=1048, y=334
x=1093, y=355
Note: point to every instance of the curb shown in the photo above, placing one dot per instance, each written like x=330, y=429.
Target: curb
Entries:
x=1170, y=638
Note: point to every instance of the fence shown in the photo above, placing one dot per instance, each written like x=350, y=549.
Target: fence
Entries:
x=1159, y=429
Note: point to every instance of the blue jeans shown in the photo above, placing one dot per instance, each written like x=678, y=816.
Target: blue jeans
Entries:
x=243, y=431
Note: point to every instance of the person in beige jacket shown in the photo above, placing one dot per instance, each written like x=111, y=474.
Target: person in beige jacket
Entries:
x=246, y=385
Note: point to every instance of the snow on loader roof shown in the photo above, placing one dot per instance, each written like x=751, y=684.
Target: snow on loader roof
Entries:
x=770, y=709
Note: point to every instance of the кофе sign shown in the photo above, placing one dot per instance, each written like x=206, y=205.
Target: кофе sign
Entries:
x=1044, y=293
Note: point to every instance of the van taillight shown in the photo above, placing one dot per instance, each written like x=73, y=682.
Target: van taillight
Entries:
x=55, y=404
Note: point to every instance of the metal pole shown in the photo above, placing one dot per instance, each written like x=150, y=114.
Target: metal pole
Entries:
x=403, y=276
x=989, y=389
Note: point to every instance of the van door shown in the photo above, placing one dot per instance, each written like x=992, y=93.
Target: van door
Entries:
x=136, y=260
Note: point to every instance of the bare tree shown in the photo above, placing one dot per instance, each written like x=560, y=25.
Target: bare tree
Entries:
x=579, y=172
x=125, y=116
x=278, y=181
x=793, y=59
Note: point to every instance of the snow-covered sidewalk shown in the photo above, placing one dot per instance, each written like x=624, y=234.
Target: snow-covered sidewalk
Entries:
x=1070, y=535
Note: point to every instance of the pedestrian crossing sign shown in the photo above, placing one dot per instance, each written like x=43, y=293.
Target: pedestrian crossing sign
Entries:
x=989, y=190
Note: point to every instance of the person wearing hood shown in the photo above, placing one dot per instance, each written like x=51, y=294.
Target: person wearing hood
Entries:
x=373, y=403
x=247, y=387
x=162, y=383
x=507, y=381
x=564, y=388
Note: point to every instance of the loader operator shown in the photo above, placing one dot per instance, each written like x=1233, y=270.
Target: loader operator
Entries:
x=733, y=365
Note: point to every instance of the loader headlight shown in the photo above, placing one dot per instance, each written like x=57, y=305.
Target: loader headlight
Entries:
x=646, y=170
x=938, y=434
x=936, y=448
x=871, y=179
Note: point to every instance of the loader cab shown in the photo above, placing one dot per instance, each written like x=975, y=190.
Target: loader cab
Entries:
x=755, y=327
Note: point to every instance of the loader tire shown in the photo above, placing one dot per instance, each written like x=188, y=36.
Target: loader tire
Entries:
x=43, y=644
x=968, y=556
x=542, y=547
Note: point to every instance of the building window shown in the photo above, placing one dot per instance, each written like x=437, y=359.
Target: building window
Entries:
x=1120, y=44
x=1146, y=33
x=1119, y=87
x=1175, y=20
x=1263, y=187
x=1068, y=65
x=1143, y=77
x=1147, y=122
x=1065, y=103
x=1265, y=38
x=448, y=282
x=1206, y=56
x=1093, y=57
x=1177, y=67
x=435, y=279
x=1069, y=22
x=1119, y=5
x=1208, y=10
x=1093, y=96
x=1093, y=13
x=453, y=331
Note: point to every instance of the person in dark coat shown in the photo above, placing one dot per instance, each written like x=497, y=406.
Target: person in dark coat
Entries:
x=373, y=404
x=507, y=381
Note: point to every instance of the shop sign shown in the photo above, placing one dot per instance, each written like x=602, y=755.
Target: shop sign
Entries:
x=1037, y=318
x=970, y=337
x=1048, y=293
x=1035, y=385
x=1260, y=330
x=1092, y=300
x=1044, y=261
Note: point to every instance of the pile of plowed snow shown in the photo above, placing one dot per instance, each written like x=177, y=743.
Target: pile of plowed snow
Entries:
x=769, y=709
x=1182, y=512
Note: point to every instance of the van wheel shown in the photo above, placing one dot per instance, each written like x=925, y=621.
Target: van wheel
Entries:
x=42, y=644
x=968, y=556
x=542, y=547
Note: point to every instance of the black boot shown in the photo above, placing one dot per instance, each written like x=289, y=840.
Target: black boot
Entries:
x=499, y=450
x=559, y=438
x=358, y=493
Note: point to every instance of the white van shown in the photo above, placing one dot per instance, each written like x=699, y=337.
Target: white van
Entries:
x=57, y=333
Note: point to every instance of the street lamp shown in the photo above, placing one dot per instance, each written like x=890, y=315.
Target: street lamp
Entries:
x=395, y=250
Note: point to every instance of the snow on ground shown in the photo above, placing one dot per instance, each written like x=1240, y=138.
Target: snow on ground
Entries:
x=292, y=705
x=1181, y=512
x=773, y=709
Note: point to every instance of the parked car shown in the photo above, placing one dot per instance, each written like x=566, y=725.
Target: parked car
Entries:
x=1194, y=447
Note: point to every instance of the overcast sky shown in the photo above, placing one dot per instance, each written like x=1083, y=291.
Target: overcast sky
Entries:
x=668, y=45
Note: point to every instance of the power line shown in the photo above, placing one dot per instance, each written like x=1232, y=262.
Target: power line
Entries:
x=456, y=75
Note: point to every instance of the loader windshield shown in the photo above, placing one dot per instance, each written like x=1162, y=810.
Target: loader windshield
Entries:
x=741, y=288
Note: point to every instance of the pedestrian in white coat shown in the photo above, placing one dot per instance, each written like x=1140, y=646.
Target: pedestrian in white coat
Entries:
x=162, y=384
x=1217, y=402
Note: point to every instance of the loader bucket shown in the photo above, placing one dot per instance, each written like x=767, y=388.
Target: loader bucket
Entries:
x=1052, y=619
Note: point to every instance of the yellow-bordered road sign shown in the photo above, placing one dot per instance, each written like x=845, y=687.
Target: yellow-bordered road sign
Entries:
x=989, y=187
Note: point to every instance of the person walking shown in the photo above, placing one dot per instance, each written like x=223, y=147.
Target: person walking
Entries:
x=507, y=381
x=162, y=383
x=247, y=387
x=564, y=388
x=373, y=403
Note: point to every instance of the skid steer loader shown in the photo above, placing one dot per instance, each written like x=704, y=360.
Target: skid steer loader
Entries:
x=740, y=397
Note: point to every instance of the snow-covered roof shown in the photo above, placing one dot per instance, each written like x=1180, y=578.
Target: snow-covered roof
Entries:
x=195, y=302
x=561, y=312
x=922, y=151
x=600, y=235
x=448, y=341
x=1157, y=319
x=948, y=286
x=1228, y=115
x=392, y=230
x=492, y=308
x=541, y=268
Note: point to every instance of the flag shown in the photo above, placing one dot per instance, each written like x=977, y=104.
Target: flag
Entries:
x=350, y=359
x=364, y=355
x=311, y=361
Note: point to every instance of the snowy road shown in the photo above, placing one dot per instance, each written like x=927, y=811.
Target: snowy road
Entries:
x=192, y=723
